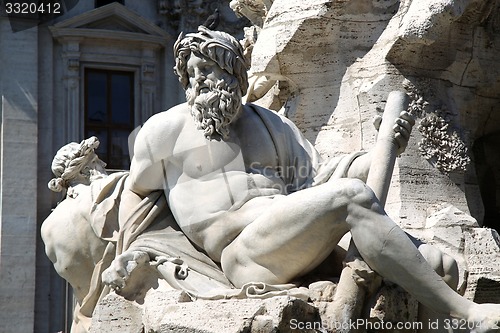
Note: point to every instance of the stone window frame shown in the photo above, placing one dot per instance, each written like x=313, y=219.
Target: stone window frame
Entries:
x=80, y=41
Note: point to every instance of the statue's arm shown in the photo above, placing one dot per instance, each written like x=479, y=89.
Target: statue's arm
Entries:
x=153, y=150
x=360, y=167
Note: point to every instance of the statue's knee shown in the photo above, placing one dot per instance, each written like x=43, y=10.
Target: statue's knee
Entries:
x=235, y=266
x=357, y=192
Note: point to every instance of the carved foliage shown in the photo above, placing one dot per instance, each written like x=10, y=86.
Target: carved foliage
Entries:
x=187, y=15
x=185, y=12
x=441, y=144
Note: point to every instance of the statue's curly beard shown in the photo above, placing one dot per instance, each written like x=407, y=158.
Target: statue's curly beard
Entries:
x=215, y=107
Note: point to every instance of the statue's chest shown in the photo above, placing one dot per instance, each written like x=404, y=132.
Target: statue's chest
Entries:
x=249, y=147
x=228, y=157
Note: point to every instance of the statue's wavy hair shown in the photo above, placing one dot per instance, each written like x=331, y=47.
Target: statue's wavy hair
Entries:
x=70, y=161
x=218, y=46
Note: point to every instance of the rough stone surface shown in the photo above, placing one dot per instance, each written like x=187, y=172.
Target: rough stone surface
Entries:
x=482, y=252
x=166, y=310
x=393, y=304
x=116, y=315
x=446, y=215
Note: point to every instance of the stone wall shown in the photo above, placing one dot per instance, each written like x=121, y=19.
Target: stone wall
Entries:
x=340, y=59
x=18, y=174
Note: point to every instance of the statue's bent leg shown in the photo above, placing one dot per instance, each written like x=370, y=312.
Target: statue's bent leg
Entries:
x=398, y=260
x=291, y=236
x=298, y=231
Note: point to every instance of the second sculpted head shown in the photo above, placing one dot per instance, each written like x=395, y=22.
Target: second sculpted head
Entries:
x=213, y=71
x=76, y=163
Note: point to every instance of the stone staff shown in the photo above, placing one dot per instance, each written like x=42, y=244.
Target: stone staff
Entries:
x=381, y=168
x=356, y=277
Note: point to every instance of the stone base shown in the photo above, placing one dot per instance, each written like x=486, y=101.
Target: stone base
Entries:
x=167, y=310
x=164, y=309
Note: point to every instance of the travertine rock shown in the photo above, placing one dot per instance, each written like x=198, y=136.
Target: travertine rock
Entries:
x=339, y=60
x=166, y=310
x=446, y=215
x=393, y=304
x=116, y=315
x=482, y=252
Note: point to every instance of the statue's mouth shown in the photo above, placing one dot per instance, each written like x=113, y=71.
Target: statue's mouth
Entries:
x=203, y=90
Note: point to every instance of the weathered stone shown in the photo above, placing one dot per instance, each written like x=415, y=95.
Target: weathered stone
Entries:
x=116, y=315
x=482, y=253
x=167, y=310
x=393, y=304
x=447, y=215
x=157, y=300
x=322, y=291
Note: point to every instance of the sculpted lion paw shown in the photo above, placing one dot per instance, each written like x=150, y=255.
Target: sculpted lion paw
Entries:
x=121, y=268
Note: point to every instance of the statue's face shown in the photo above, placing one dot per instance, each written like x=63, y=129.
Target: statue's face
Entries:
x=96, y=166
x=200, y=69
x=213, y=95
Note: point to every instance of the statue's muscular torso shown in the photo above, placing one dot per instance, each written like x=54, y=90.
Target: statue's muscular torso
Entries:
x=214, y=187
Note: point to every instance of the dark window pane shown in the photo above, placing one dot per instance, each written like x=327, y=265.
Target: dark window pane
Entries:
x=109, y=114
x=96, y=97
x=120, y=98
x=119, y=157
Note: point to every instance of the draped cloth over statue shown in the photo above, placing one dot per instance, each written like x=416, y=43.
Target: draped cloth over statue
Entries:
x=300, y=163
x=152, y=228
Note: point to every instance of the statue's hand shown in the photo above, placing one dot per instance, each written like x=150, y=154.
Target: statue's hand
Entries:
x=117, y=274
x=402, y=128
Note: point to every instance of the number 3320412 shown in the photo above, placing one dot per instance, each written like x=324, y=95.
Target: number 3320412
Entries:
x=32, y=8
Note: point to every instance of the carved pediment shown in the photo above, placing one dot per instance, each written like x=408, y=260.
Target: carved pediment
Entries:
x=113, y=21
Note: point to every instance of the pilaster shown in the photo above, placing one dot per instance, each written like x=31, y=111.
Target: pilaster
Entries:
x=18, y=172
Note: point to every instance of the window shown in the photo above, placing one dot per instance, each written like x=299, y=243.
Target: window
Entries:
x=109, y=114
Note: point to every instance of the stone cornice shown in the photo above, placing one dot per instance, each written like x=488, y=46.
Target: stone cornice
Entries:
x=141, y=30
x=70, y=33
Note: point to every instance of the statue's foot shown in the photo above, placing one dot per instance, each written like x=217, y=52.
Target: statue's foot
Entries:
x=117, y=274
x=484, y=318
